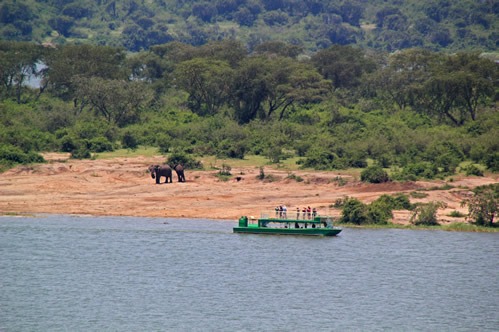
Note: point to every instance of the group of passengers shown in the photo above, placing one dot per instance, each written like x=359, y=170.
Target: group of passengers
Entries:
x=281, y=211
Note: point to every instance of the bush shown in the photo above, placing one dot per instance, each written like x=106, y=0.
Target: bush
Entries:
x=320, y=159
x=492, y=162
x=230, y=149
x=81, y=152
x=483, y=207
x=374, y=174
x=354, y=211
x=225, y=170
x=418, y=170
x=178, y=158
x=100, y=144
x=14, y=155
x=473, y=170
x=426, y=214
x=129, y=141
x=397, y=202
x=378, y=212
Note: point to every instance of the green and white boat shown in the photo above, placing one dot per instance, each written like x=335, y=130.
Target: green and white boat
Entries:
x=281, y=225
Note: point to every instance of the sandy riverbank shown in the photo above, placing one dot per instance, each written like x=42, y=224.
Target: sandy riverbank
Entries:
x=122, y=187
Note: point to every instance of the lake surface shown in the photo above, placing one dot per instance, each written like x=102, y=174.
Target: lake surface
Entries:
x=70, y=273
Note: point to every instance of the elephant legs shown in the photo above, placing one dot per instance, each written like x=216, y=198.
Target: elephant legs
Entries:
x=158, y=179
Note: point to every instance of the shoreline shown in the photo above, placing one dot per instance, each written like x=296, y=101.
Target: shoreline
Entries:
x=122, y=187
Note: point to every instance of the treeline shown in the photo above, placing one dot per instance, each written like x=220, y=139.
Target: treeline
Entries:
x=416, y=112
x=312, y=24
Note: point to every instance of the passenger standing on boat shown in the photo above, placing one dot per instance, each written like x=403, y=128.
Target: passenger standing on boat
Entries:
x=280, y=211
x=314, y=213
x=304, y=211
x=309, y=212
x=284, y=212
x=297, y=213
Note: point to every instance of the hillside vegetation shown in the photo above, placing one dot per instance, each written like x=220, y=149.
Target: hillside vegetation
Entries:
x=311, y=24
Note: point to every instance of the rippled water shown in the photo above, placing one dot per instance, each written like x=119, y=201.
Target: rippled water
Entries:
x=65, y=273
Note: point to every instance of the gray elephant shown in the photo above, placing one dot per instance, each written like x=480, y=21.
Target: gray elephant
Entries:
x=157, y=171
x=180, y=172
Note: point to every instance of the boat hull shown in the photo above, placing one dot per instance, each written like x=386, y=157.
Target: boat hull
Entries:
x=288, y=231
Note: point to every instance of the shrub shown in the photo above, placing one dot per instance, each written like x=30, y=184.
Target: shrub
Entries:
x=81, y=152
x=396, y=202
x=184, y=160
x=295, y=177
x=354, y=211
x=492, y=162
x=68, y=143
x=473, y=170
x=230, y=149
x=379, y=212
x=456, y=214
x=418, y=194
x=418, y=170
x=14, y=155
x=129, y=141
x=374, y=174
x=483, y=207
x=225, y=170
x=426, y=214
x=100, y=144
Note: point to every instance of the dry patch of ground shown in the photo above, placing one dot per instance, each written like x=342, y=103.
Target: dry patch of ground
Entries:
x=122, y=187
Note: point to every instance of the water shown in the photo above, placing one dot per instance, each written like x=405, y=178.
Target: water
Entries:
x=65, y=273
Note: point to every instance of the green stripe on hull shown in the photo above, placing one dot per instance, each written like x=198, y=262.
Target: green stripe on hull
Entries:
x=288, y=231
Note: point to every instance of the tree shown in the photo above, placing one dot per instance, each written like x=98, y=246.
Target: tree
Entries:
x=62, y=24
x=354, y=211
x=483, y=207
x=402, y=80
x=67, y=62
x=18, y=61
x=278, y=48
x=267, y=85
x=374, y=174
x=459, y=84
x=207, y=82
x=343, y=65
x=120, y=102
x=426, y=214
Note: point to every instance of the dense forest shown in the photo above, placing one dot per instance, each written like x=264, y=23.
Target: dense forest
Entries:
x=416, y=113
x=312, y=25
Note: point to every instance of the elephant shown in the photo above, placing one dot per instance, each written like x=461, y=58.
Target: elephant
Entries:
x=180, y=172
x=157, y=171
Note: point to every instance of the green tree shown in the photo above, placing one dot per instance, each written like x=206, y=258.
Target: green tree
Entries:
x=66, y=63
x=207, y=82
x=354, y=211
x=18, y=62
x=267, y=85
x=374, y=174
x=426, y=214
x=119, y=102
x=483, y=207
x=460, y=84
x=344, y=66
x=402, y=80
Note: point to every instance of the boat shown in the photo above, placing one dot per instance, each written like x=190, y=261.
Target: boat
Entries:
x=281, y=225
